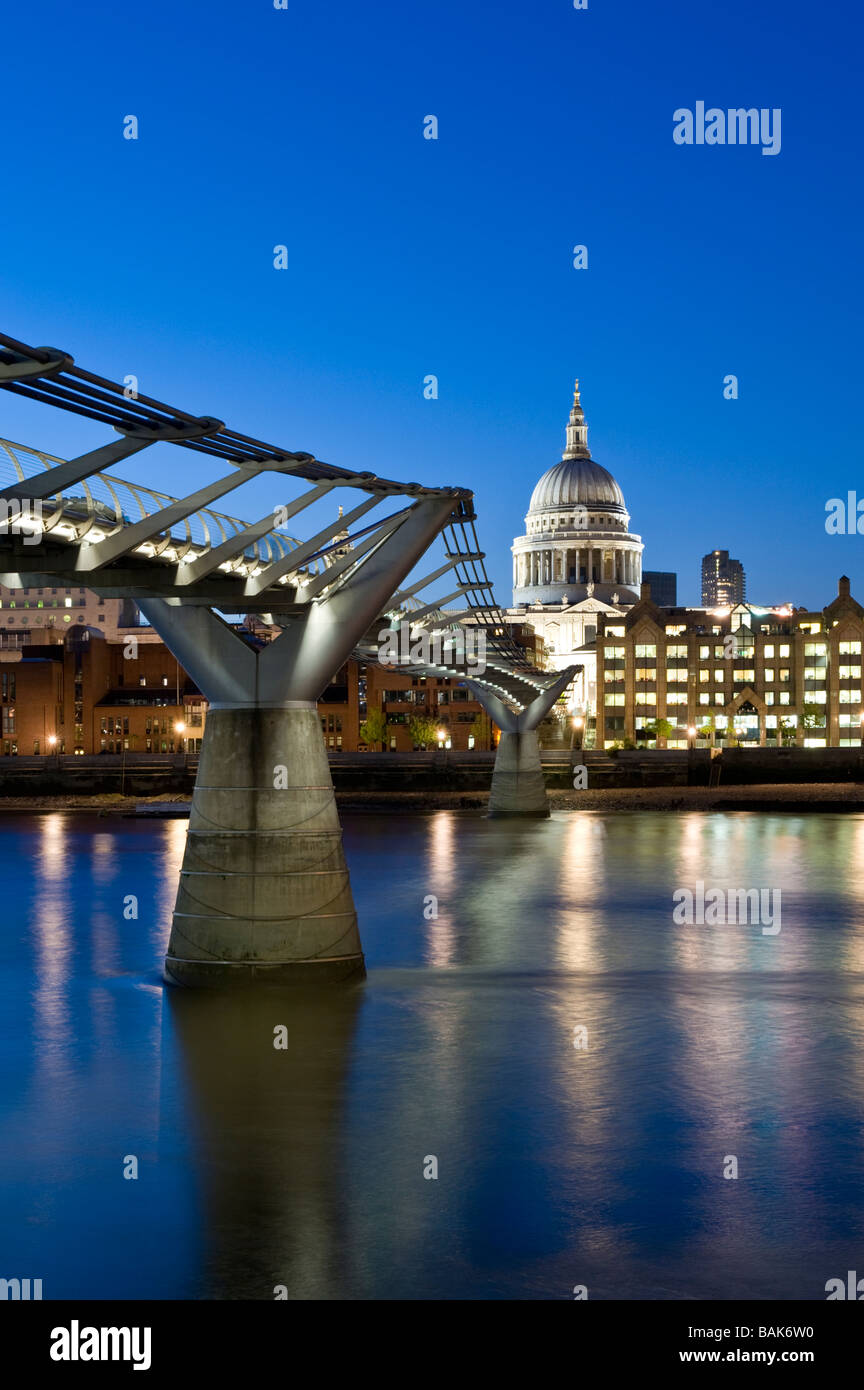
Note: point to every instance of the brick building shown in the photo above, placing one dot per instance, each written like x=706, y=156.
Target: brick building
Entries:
x=744, y=674
x=91, y=692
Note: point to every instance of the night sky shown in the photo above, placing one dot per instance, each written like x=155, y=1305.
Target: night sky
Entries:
x=408, y=257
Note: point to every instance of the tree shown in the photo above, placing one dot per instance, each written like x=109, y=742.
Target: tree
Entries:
x=813, y=716
x=657, y=729
x=786, y=731
x=374, y=728
x=423, y=730
x=709, y=728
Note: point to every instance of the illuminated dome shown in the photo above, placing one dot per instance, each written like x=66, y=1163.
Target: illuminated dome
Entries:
x=577, y=482
x=577, y=543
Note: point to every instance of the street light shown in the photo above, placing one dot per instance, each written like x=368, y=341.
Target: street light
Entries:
x=578, y=727
x=691, y=734
x=180, y=728
x=441, y=735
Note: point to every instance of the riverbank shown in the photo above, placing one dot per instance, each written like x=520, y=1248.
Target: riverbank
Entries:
x=793, y=796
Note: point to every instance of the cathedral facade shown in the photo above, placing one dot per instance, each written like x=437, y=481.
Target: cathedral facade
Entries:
x=578, y=561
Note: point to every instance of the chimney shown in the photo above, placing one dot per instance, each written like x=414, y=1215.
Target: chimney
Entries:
x=843, y=587
x=645, y=591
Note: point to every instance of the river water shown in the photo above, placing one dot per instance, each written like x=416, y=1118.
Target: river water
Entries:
x=302, y=1169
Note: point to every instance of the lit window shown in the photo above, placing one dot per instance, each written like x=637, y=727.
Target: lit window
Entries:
x=768, y=653
x=850, y=697
x=704, y=675
x=646, y=649
x=784, y=648
x=704, y=698
x=769, y=697
x=769, y=675
x=784, y=672
x=704, y=653
x=850, y=648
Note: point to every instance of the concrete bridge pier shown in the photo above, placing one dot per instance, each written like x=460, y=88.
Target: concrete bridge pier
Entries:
x=518, y=787
x=264, y=889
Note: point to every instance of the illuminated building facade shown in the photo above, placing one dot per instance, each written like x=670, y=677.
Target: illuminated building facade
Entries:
x=744, y=675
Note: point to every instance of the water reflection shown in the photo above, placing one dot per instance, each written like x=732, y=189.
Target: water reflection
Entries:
x=557, y=1165
x=268, y=1124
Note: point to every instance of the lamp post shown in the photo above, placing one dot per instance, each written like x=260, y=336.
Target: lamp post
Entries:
x=180, y=728
x=577, y=732
x=691, y=736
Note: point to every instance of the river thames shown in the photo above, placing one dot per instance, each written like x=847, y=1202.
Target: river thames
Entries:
x=580, y=1068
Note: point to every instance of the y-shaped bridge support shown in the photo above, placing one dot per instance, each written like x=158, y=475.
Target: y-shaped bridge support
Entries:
x=264, y=890
x=518, y=788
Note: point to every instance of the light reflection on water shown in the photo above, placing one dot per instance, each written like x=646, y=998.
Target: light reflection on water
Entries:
x=303, y=1168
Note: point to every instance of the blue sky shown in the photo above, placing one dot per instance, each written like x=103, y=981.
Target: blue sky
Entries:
x=407, y=256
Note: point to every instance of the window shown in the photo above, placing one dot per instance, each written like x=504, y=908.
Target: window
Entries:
x=704, y=653
x=850, y=673
x=645, y=698
x=704, y=675
x=850, y=697
x=676, y=697
x=769, y=675
x=646, y=649
x=850, y=648
x=768, y=653
x=704, y=698
x=677, y=651
x=614, y=700
x=815, y=649
x=676, y=630
x=719, y=653
x=676, y=675
x=614, y=632
x=719, y=674
x=613, y=676
x=744, y=673
x=784, y=649
x=784, y=673
x=769, y=697
x=784, y=697
x=613, y=653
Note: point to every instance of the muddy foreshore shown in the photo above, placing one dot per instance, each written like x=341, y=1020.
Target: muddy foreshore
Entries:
x=809, y=796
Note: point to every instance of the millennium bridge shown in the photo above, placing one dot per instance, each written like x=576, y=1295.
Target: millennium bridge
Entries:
x=264, y=892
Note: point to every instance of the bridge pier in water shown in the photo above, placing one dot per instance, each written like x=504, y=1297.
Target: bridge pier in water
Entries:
x=264, y=889
x=518, y=787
